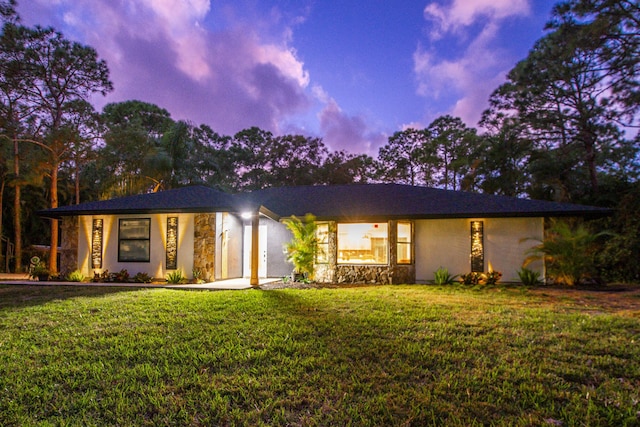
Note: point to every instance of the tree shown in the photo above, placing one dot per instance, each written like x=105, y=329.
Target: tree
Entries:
x=64, y=73
x=343, y=168
x=611, y=29
x=133, y=155
x=264, y=160
x=453, y=143
x=8, y=11
x=15, y=79
x=212, y=160
x=618, y=260
x=407, y=158
x=500, y=159
x=574, y=92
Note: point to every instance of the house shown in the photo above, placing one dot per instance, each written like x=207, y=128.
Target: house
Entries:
x=375, y=233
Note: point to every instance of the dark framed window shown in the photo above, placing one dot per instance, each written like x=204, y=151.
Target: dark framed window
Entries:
x=477, y=246
x=405, y=242
x=322, y=236
x=134, y=240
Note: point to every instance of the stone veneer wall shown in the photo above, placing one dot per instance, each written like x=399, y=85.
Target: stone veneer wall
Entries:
x=393, y=273
x=325, y=273
x=204, y=245
x=69, y=250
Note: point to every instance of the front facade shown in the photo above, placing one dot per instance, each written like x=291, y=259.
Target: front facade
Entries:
x=366, y=233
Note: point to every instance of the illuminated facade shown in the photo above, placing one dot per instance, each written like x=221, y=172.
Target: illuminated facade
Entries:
x=378, y=233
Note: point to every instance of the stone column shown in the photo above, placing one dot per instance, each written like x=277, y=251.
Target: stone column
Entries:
x=69, y=253
x=204, y=245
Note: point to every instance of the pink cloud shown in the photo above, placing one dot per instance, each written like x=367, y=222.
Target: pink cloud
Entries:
x=350, y=133
x=471, y=76
x=160, y=52
x=462, y=13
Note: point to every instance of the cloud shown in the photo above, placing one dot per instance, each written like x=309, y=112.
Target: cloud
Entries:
x=162, y=52
x=346, y=132
x=467, y=79
x=463, y=13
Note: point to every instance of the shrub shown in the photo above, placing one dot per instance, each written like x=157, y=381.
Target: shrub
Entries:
x=142, y=278
x=75, y=276
x=198, y=275
x=442, y=277
x=492, y=277
x=106, y=276
x=569, y=252
x=38, y=270
x=122, y=276
x=470, y=278
x=529, y=277
x=175, y=277
x=303, y=248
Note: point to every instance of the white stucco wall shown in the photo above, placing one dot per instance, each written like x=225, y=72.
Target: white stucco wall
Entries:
x=446, y=243
x=156, y=267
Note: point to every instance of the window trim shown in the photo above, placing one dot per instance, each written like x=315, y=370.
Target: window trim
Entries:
x=130, y=236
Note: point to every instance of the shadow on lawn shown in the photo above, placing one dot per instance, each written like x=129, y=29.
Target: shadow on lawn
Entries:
x=18, y=296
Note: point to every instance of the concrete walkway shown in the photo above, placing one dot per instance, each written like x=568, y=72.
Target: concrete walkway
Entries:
x=229, y=284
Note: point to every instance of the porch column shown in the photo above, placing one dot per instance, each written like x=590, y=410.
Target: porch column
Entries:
x=255, y=248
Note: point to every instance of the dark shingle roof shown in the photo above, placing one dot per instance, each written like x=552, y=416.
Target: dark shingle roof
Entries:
x=378, y=201
x=186, y=199
x=356, y=202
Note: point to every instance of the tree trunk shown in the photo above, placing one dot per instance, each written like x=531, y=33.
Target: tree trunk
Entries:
x=53, y=250
x=77, y=181
x=591, y=164
x=17, y=211
x=1, y=205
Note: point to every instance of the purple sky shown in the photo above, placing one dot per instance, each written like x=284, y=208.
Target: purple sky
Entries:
x=351, y=72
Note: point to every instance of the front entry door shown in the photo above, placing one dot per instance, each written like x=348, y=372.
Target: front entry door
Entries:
x=262, y=255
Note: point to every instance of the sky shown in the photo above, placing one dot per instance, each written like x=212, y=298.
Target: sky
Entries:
x=350, y=72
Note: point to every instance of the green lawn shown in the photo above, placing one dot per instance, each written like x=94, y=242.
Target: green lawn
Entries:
x=381, y=355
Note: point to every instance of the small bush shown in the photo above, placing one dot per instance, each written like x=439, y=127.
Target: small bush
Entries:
x=529, y=277
x=470, y=278
x=75, y=276
x=492, y=277
x=142, y=278
x=122, y=276
x=198, y=275
x=175, y=277
x=442, y=277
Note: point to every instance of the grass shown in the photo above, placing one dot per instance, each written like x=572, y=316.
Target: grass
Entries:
x=367, y=356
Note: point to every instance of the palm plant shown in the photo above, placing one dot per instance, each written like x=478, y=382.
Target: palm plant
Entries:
x=442, y=277
x=567, y=251
x=303, y=248
x=175, y=277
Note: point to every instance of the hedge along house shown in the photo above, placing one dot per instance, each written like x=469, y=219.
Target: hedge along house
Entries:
x=374, y=233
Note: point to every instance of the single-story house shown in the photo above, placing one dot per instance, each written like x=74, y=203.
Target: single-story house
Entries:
x=376, y=233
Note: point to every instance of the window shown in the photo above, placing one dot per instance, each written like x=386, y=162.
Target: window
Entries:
x=477, y=246
x=322, y=234
x=363, y=243
x=404, y=243
x=133, y=240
